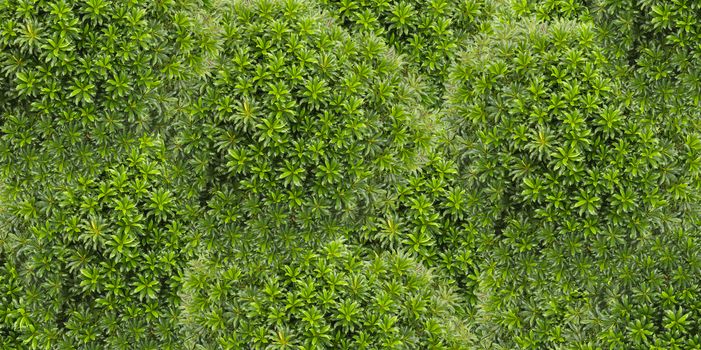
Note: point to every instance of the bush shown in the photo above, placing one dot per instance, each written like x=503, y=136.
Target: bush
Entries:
x=431, y=215
x=575, y=174
x=300, y=126
x=428, y=33
x=93, y=247
x=336, y=296
x=549, y=10
x=101, y=266
x=350, y=174
x=633, y=27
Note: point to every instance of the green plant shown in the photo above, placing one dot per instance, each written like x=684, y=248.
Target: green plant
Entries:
x=299, y=129
x=427, y=32
x=575, y=170
x=350, y=174
x=93, y=250
x=336, y=296
x=99, y=256
x=547, y=10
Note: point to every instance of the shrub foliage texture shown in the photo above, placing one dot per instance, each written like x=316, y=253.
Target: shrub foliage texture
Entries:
x=350, y=174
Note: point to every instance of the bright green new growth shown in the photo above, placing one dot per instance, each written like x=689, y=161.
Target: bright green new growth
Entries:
x=334, y=297
x=550, y=10
x=94, y=247
x=578, y=178
x=427, y=32
x=102, y=266
x=300, y=134
x=300, y=128
x=350, y=174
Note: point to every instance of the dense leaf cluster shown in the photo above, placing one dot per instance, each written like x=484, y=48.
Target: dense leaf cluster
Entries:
x=549, y=10
x=303, y=132
x=350, y=174
x=102, y=266
x=298, y=91
x=93, y=246
x=585, y=184
x=336, y=296
x=427, y=32
x=299, y=130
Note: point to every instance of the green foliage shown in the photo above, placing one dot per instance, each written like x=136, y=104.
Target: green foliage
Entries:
x=333, y=297
x=636, y=27
x=573, y=170
x=430, y=215
x=548, y=10
x=93, y=247
x=99, y=256
x=427, y=32
x=547, y=119
x=350, y=174
x=10, y=293
x=656, y=46
x=300, y=126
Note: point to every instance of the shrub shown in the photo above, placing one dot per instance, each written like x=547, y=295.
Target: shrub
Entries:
x=427, y=32
x=101, y=266
x=337, y=297
x=574, y=174
x=93, y=248
x=299, y=127
x=300, y=136
x=350, y=174
x=431, y=215
x=634, y=27
x=548, y=10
